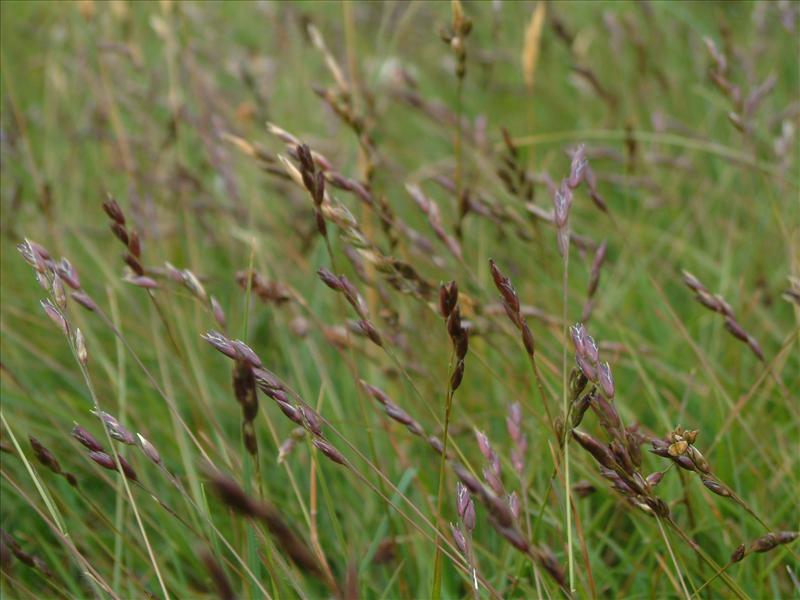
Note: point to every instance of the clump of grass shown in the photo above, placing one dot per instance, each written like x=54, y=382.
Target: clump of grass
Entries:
x=403, y=165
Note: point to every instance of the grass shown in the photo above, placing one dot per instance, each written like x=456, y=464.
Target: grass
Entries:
x=165, y=106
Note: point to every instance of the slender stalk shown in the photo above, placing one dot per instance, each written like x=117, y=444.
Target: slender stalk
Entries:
x=128, y=492
x=717, y=574
x=674, y=560
x=565, y=410
x=437, y=565
x=732, y=585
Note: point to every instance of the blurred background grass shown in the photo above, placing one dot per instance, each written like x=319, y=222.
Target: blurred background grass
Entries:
x=132, y=98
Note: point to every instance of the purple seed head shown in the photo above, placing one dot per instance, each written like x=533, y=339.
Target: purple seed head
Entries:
x=606, y=379
x=86, y=439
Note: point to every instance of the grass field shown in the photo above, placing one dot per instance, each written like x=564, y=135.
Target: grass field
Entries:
x=308, y=178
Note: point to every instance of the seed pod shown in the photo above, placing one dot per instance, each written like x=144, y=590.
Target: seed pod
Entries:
x=68, y=274
x=245, y=353
x=562, y=201
x=329, y=451
x=660, y=448
x=44, y=456
x=600, y=452
x=579, y=408
x=634, y=449
x=107, y=462
x=498, y=508
x=192, y=283
x=493, y=479
x=80, y=347
x=399, y=415
x=590, y=348
x=86, y=439
x=371, y=332
x=458, y=375
x=55, y=316
x=134, y=263
x=654, y=478
x=219, y=313
x=684, y=462
x=448, y=298
x=786, y=537
x=606, y=380
x=716, y=487
x=513, y=505
x=735, y=329
x=250, y=439
x=738, y=554
x=134, y=244
x=460, y=539
x=658, y=506
x=469, y=481
x=514, y=421
x=577, y=382
x=577, y=167
x=755, y=347
x=765, y=543
x=518, y=455
x=586, y=367
x=84, y=300
x=311, y=420
x=607, y=414
x=329, y=279
x=527, y=339
x=142, y=281
x=148, y=449
x=709, y=301
x=465, y=506
x=577, y=333
x=115, y=429
x=291, y=412
x=120, y=232
x=698, y=459
x=113, y=210
x=621, y=455
x=57, y=288
x=678, y=448
x=221, y=343
x=435, y=443
x=693, y=283
x=375, y=392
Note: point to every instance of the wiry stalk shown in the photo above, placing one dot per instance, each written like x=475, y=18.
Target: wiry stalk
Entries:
x=437, y=565
x=565, y=412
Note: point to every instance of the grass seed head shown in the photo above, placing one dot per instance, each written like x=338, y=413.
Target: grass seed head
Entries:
x=86, y=439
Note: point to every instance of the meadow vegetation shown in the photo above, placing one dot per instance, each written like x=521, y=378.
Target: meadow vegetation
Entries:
x=400, y=300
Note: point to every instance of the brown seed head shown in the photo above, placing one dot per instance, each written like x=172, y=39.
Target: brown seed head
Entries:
x=44, y=456
x=716, y=487
x=113, y=210
x=738, y=554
